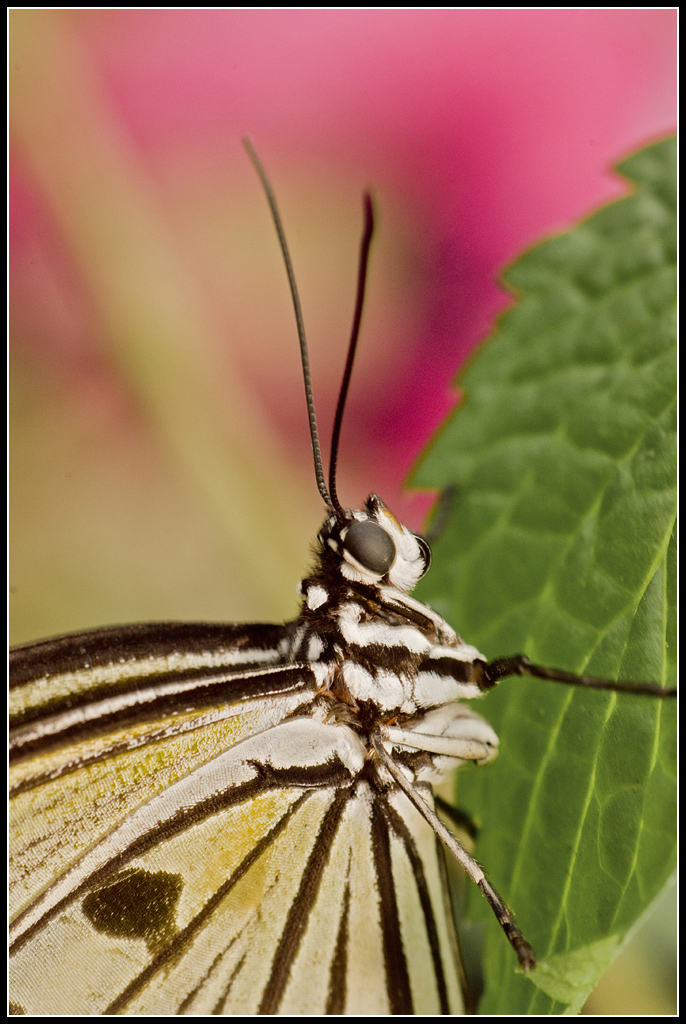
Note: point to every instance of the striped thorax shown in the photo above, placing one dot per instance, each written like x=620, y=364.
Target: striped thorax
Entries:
x=382, y=660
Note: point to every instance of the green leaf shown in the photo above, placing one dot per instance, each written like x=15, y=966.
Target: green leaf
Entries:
x=561, y=545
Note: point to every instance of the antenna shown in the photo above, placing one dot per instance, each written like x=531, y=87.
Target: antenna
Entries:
x=304, y=356
x=366, y=242
x=330, y=496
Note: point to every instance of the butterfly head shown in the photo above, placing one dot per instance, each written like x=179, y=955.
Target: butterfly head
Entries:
x=372, y=546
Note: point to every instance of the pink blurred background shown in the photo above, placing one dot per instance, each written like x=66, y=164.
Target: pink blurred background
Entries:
x=160, y=461
x=140, y=244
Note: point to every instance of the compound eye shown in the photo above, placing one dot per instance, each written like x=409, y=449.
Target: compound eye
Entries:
x=426, y=552
x=370, y=546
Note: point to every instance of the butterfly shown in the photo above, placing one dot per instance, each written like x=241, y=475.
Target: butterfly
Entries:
x=239, y=818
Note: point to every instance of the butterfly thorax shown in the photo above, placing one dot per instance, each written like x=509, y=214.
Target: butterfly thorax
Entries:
x=380, y=658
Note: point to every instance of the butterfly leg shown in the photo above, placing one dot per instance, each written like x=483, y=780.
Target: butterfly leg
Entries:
x=519, y=665
x=459, y=817
x=525, y=953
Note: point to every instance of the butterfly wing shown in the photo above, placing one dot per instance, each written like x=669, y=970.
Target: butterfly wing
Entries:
x=185, y=839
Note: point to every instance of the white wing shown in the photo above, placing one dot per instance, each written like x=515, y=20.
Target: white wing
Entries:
x=180, y=845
